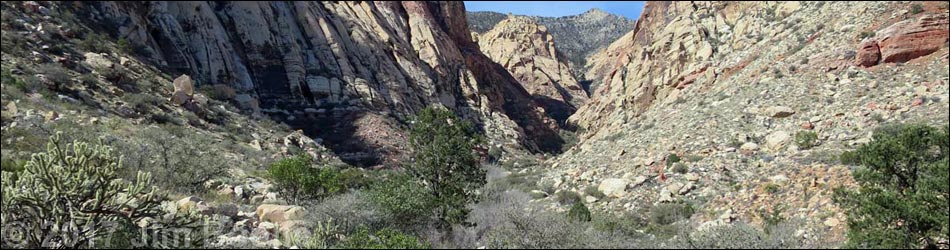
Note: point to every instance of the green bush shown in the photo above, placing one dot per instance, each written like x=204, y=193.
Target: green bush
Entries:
x=406, y=199
x=680, y=168
x=904, y=180
x=668, y=213
x=806, y=139
x=916, y=8
x=672, y=159
x=593, y=191
x=94, y=42
x=295, y=178
x=444, y=160
x=579, y=212
x=771, y=188
x=567, y=197
x=55, y=73
x=386, y=238
x=144, y=103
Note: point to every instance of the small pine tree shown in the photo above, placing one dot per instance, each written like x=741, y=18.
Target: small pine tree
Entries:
x=444, y=160
x=902, y=201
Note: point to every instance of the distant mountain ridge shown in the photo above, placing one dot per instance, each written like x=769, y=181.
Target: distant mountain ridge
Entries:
x=576, y=37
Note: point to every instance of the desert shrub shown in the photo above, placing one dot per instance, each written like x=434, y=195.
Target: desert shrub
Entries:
x=510, y=220
x=916, y=8
x=71, y=195
x=593, y=191
x=181, y=160
x=351, y=210
x=806, y=139
x=741, y=236
x=26, y=84
x=143, y=102
x=668, y=213
x=296, y=178
x=680, y=168
x=406, y=200
x=219, y=92
x=567, y=197
x=672, y=159
x=570, y=139
x=771, y=217
x=771, y=188
x=626, y=224
x=903, y=179
x=293, y=176
x=94, y=42
x=55, y=73
x=579, y=212
x=445, y=162
x=125, y=46
x=386, y=238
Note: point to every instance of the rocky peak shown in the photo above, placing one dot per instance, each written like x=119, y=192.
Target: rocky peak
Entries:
x=526, y=50
x=577, y=36
x=595, y=13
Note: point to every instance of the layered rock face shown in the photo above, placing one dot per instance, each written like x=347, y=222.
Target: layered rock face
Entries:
x=528, y=52
x=578, y=36
x=333, y=63
x=729, y=86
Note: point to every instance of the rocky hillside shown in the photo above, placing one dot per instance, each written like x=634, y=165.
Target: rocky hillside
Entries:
x=529, y=53
x=734, y=89
x=347, y=72
x=577, y=36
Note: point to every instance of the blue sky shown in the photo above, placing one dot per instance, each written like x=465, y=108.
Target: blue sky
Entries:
x=629, y=9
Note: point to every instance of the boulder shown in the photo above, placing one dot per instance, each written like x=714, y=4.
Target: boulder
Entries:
x=280, y=213
x=228, y=209
x=911, y=39
x=779, y=111
x=180, y=98
x=686, y=188
x=204, y=208
x=187, y=204
x=98, y=61
x=776, y=140
x=749, y=147
x=808, y=126
x=613, y=187
x=691, y=177
x=868, y=55
x=185, y=85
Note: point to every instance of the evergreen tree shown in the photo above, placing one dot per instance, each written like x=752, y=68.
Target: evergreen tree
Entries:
x=902, y=201
x=444, y=160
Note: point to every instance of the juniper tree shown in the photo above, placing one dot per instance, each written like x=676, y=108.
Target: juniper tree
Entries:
x=445, y=163
x=904, y=185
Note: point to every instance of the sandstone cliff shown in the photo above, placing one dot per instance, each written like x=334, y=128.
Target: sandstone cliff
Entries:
x=726, y=86
x=334, y=64
x=528, y=52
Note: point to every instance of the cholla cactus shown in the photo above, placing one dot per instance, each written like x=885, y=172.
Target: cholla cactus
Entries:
x=71, y=195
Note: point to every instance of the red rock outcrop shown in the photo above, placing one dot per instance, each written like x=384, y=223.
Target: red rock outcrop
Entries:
x=911, y=39
x=868, y=55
